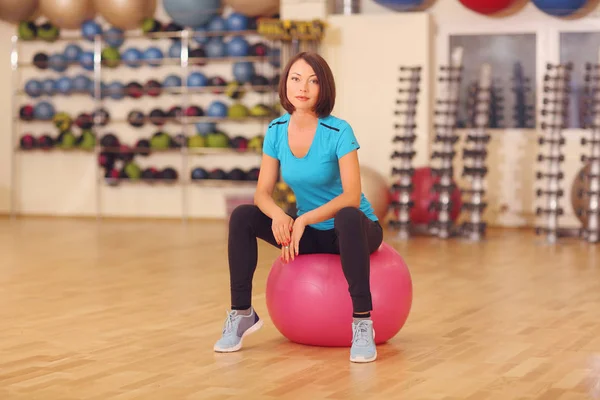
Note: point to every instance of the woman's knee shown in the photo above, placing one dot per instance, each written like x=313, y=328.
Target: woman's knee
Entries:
x=347, y=218
x=242, y=214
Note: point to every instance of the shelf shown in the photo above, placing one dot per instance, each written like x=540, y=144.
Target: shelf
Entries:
x=164, y=61
x=186, y=120
x=190, y=150
x=180, y=90
x=217, y=183
x=141, y=35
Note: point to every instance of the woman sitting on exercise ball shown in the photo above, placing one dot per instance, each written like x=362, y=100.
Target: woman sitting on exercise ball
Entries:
x=317, y=154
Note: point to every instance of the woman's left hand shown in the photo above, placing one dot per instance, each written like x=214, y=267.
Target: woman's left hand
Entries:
x=297, y=232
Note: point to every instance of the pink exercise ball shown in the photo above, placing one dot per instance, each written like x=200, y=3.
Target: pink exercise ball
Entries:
x=309, y=303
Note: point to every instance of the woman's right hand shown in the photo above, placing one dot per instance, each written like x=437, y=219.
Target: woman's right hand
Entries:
x=282, y=226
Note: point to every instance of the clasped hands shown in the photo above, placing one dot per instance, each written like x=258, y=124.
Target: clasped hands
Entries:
x=287, y=233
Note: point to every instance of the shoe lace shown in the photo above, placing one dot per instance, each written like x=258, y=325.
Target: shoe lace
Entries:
x=361, y=333
x=228, y=328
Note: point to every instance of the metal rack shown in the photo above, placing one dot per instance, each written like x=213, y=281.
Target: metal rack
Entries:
x=591, y=171
x=475, y=154
x=404, y=153
x=556, y=101
x=185, y=36
x=444, y=141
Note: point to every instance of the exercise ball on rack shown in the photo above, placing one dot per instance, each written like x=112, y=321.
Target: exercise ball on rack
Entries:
x=487, y=7
x=400, y=5
x=254, y=8
x=125, y=14
x=16, y=11
x=67, y=14
x=559, y=8
x=192, y=13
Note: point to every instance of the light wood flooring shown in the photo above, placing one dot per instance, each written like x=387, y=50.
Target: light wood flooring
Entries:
x=131, y=309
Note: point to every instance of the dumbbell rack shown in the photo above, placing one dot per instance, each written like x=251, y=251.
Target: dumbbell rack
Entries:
x=554, y=115
x=591, y=233
x=523, y=112
x=404, y=152
x=475, y=154
x=446, y=114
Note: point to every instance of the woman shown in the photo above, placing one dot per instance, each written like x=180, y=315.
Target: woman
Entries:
x=317, y=154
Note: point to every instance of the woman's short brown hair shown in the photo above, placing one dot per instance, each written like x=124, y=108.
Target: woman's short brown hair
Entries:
x=326, y=100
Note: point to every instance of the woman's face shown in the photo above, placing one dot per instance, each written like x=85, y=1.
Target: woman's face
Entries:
x=302, y=86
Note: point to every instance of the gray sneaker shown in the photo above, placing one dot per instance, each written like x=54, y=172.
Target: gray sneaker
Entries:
x=363, y=342
x=236, y=327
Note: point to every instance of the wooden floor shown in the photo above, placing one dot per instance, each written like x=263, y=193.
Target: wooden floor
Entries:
x=130, y=310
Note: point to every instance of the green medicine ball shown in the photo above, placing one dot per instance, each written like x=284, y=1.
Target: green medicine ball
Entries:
x=237, y=111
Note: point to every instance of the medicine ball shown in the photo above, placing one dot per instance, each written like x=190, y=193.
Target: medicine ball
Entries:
x=157, y=117
x=28, y=141
x=40, y=60
x=101, y=117
x=169, y=174
x=236, y=174
x=142, y=147
x=199, y=174
x=136, y=118
x=153, y=88
x=109, y=140
x=217, y=174
x=134, y=90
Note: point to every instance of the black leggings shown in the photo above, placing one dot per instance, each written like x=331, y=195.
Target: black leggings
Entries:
x=354, y=238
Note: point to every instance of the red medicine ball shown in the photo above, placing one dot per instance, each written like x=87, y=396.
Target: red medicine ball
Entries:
x=487, y=6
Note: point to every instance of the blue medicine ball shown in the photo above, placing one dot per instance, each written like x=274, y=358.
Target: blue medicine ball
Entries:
x=237, y=22
x=274, y=57
x=217, y=24
x=57, y=62
x=132, y=57
x=192, y=13
x=217, y=109
x=49, y=87
x=114, y=37
x=197, y=79
x=82, y=83
x=238, y=47
x=89, y=29
x=34, y=88
x=243, y=71
x=198, y=37
x=73, y=52
x=87, y=60
x=400, y=5
x=153, y=56
x=559, y=8
x=172, y=81
x=43, y=111
x=115, y=90
x=175, y=50
x=204, y=128
x=64, y=85
x=215, y=48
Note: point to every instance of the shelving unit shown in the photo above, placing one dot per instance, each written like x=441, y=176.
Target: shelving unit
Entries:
x=186, y=65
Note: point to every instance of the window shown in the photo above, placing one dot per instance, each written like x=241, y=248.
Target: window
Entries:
x=513, y=61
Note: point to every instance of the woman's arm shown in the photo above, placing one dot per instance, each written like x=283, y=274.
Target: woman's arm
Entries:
x=350, y=175
x=263, y=196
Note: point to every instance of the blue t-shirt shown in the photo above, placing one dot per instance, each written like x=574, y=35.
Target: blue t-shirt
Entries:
x=314, y=178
